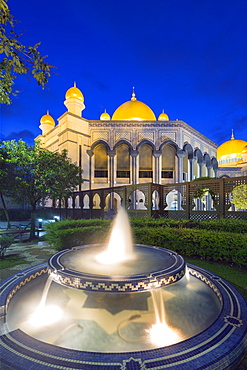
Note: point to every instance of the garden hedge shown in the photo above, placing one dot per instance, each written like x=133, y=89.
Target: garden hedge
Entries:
x=207, y=241
x=68, y=238
x=229, y=225
x=211, y=246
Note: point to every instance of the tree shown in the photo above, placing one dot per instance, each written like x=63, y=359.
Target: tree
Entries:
x=6, y=180
x=38, y=173
x=239, y=196
x=201, y=192
x=18, y=58
x=5, y=175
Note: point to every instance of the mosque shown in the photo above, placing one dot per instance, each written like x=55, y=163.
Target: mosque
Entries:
x=232, y=158
x=134, y=146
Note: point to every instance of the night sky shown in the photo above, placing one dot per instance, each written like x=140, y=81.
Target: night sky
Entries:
x=188, y=57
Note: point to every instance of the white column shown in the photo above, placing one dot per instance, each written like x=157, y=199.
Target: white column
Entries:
x=134, y=166
x=112, y=175
x=91, y=168
x=157, y=167
x=180, y=155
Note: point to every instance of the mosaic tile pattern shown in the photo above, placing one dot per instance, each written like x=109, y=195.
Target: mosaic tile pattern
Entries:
x=220, y=346
x=127, y=284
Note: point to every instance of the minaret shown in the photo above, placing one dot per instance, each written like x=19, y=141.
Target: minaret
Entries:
x=74, y=101
x=46, y=123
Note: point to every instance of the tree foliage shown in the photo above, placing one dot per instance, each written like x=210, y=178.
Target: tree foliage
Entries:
x=204, y=189
x=202, y=192
x=7, y=178
x=36, y=173
x=18, y=59
x=239, y=196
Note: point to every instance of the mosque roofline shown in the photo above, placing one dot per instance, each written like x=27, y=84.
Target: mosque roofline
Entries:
x=157, y=123
x=74, y=115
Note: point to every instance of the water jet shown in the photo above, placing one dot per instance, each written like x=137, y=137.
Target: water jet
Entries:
x=140, y=308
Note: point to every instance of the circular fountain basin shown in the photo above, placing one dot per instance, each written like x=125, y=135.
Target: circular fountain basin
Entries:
x=149, y=268
x=218, y=344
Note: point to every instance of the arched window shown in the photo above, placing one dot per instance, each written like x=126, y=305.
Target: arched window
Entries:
x=145, y=161
x=168, y=162
x=101, y=161
x=137, y=200
x=96, y=201
x=123, y=161
x=77, y=202
x=86, y=202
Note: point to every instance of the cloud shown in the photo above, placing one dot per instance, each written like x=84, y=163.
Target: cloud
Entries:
x=25, y=135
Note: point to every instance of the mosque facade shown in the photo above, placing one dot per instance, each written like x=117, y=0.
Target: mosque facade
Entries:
x=232, y=158
x=131, y=147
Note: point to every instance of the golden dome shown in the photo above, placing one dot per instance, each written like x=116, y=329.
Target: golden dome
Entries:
x=47, y=120
x=133, y=110
x=230, y=152
x=75, y=93
x=163, y=116
x=105, y=116
x=244, y=150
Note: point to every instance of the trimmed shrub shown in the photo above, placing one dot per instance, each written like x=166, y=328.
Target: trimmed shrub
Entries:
x=231, y=225
x=67, y=238
x=70, y=233
x=207, y=240
x=207, y=245
x=69, y=224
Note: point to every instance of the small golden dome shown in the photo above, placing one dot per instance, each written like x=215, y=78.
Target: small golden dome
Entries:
x=230, y=152
x=105, y=116
x=74, y=93
x=133, y=110
x=163, y=116
x=47, y=120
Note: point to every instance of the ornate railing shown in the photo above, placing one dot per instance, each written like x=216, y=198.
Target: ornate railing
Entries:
x=177, y=200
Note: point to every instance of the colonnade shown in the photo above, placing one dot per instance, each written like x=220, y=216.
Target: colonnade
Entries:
x=180, y=165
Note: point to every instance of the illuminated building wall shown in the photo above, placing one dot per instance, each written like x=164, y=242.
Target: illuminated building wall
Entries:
x=131, y=147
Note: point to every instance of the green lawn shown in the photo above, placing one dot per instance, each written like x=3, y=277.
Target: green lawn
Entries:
x=11, y=260
x=236, y=276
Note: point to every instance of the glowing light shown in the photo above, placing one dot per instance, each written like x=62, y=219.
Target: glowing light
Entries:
x=120, y=247
x=108, y=258
x=162, y=335
x=47, y=315
x=187, y=273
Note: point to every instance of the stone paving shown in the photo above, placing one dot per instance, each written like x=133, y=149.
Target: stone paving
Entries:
x=34, y=253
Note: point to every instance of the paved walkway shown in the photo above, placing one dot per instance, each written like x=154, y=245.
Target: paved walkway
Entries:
x=34, y=253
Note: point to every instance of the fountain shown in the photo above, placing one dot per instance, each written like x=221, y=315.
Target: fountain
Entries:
x=119, y=306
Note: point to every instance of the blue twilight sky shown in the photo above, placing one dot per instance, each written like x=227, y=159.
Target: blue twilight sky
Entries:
x=188, y=57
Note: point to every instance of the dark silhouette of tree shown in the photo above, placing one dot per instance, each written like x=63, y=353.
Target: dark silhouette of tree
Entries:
x=34, y=173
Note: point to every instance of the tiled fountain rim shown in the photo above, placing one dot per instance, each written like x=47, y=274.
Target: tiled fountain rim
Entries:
x=219, y=346
x=123, y=284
